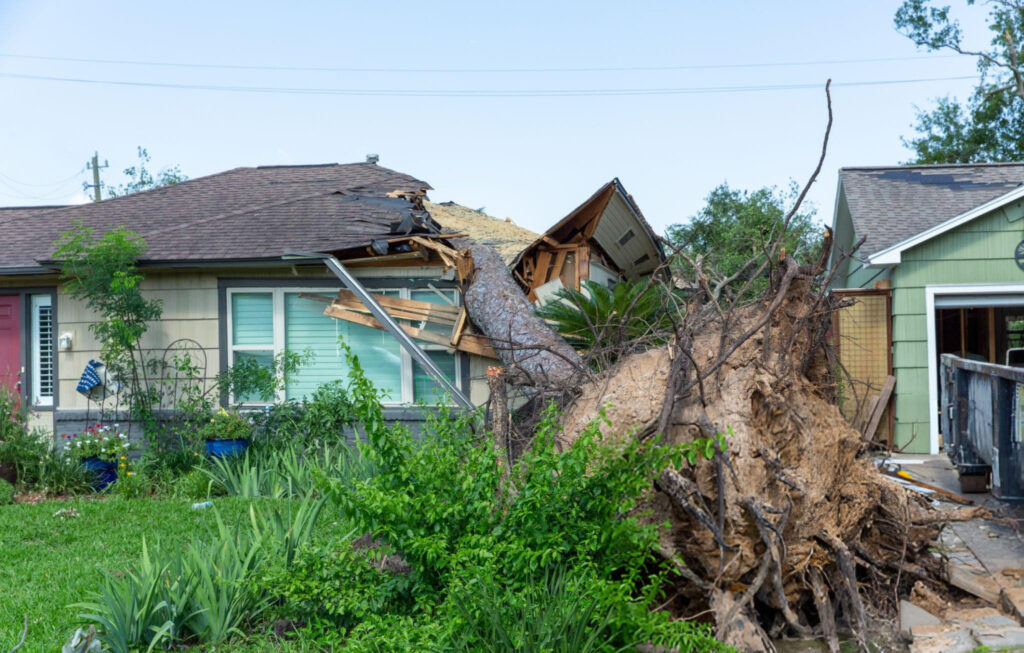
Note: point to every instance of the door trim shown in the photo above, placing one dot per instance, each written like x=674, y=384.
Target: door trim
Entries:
x=26, y=345
x=930, y=292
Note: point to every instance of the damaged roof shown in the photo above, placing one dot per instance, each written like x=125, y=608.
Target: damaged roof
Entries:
x=241, y=214
x=610, y=218
x=891, y=204
x=508, y=238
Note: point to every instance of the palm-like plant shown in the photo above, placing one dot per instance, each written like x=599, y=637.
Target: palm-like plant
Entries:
x=609, y=321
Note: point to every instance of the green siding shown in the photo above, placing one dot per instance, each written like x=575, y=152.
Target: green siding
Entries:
x=980, y=252
x=909, y=327
x=913, y=436
x=908, y=301
x=909, y=353
x=911, y=378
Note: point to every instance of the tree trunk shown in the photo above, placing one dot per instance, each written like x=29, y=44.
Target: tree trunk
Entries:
x=533, y=353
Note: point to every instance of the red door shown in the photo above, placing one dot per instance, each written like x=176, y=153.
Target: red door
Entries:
x=10, y=341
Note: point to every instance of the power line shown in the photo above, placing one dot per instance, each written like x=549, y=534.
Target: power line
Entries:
x=49, y=185
x=369, y=92
x=356, y=69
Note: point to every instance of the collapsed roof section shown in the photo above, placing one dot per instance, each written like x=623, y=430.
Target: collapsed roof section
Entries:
x=604, y=239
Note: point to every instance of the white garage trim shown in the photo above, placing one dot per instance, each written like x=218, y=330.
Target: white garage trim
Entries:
x=984, y=293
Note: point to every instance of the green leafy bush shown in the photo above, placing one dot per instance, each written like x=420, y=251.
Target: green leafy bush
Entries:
x=20, y=447
x=474, y=535
x=6, y=493
x=56, y=475
x=320, y=421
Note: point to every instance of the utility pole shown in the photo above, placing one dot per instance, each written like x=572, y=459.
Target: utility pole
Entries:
x=95, y=166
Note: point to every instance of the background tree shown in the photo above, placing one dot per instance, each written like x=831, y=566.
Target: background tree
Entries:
x=140, y=177
x=989, y=126
x=729, y=238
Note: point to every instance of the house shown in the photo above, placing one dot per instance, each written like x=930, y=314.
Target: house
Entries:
x=604, y=239
x=215, y=248
x=940, y=270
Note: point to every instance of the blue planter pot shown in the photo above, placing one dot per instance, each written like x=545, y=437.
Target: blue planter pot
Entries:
x=221, y=448
x=104, y=473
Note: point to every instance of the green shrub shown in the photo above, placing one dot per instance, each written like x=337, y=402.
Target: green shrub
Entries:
x=6, y=493
x=57, y=475
x=486, y=547
x=205, y=592
x=285, y=472
x=327, y=414
x=320, y=421
x=20, y=446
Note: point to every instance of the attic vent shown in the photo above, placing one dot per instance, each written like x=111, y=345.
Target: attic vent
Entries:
x=626, y=237
x=372, y=158
x=642, y=259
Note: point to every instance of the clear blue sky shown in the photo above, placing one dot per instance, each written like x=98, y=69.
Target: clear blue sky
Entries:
x=531, y=158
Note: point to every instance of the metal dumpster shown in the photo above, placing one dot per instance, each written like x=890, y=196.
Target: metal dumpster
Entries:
x=982, y=423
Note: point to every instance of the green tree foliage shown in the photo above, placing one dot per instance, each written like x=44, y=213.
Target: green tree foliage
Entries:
x=989, y=126
x=101, y=272
x=730, y=236
x=603, y=320
x=141, y=178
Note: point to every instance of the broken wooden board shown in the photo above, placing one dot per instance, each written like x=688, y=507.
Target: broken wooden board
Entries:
x=469, y=343
x=879, y=408
x=966, y=571
x=398, y=308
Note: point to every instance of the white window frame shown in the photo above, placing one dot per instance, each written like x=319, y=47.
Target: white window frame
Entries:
x=37, y=301
x=277, y=293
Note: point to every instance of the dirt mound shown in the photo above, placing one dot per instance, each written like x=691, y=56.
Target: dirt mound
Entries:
x=792, y=523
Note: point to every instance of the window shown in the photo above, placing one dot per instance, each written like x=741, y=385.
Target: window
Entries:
x=263, y=323
x=42, y=339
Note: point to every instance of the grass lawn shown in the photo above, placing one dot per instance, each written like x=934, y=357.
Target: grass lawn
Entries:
x=47, y=563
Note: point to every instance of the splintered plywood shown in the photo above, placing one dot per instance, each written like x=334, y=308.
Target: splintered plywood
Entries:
x=863, y=341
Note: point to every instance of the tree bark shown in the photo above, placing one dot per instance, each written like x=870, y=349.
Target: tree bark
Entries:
x=533, y=353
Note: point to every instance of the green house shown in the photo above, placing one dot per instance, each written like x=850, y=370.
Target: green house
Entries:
x=944, y=246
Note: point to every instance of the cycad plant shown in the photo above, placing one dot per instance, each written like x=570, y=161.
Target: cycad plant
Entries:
x=610, y=321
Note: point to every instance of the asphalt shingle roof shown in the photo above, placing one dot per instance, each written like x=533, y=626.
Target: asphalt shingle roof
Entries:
x=240, y=214
x=891, y=204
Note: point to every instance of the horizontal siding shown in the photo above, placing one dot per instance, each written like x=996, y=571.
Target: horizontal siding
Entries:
x=976, y=245
x=918, y=274
x=909, y=327
x=912, y=437
x=1002, y=219
x=908, y=301
x=912, y=406
x=909, y=353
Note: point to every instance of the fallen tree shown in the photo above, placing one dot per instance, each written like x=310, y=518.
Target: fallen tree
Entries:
x=789, y=530
x=534, y=355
